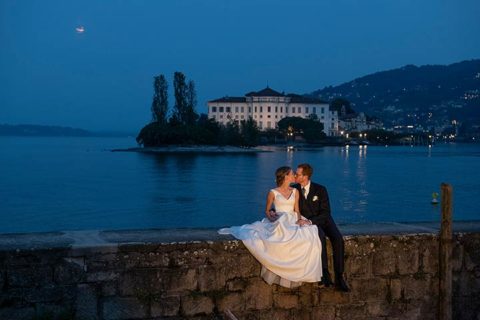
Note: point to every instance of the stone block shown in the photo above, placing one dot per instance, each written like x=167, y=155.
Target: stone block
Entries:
x=70, y=271
x=457, y=258
x=181, y=280
x=108, y=288
x=351, y=312
x=323, y=313
x=332, y=297
x=395, y=289
x=414, y=288
x=142, y=280
x=238, y=284
x=378, y=309
x=408, y=259
x=35, y=276
x=231, y=301
x=197, y=305
x=86, y=302
x=375, y=289
x=211, y=278
x=306, y=295
x=359, y=266
x=430, y=260
x=285, y=301
x=102, y=276
x=384, y=262
x=27, y=313
x=258, y=295
x=165, y=307
x=116, y=308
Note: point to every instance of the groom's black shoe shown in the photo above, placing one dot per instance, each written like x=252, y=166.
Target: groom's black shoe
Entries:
x=326, y=279
x=340, y=283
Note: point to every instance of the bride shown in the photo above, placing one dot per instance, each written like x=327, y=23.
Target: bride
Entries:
x=285, y=243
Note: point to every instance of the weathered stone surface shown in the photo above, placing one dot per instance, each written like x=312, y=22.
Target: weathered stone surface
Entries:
x=351, y=311
x=330, y=296
x=181, y=280
x=86, y=302
x=408, y=260
x=374, y=289
x=211, y=278
x=196, y=305
x=360, y=266
x=384, y=262
x=70, y=271
x=231, y=301
x=238, y=284
x=377, y=309
x=395, y=289
x=258, y=295
x=414, y=288
x=165, y=307
x=285, y=301
x=17, y=313
x=123, y=308
x=34, y=276
x=323, y=313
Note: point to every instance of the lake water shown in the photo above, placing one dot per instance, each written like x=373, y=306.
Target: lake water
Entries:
x=51, y=184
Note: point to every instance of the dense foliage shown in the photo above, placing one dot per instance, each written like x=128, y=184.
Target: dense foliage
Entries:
x=185, y=126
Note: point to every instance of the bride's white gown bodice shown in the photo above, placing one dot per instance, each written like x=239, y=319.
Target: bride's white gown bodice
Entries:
x=290, y=254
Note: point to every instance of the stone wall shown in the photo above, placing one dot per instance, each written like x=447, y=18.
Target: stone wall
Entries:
x=392, y=277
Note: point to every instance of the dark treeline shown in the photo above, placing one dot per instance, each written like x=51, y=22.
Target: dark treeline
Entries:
x=182, y=125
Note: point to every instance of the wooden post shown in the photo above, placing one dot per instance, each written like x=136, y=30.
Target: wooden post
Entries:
x=445, y=254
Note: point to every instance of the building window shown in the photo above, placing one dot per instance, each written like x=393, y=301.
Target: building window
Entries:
x=315, y=110
x=276, y=117
x=249, y=109
x=322, y=110
x=269, y=109
x=220, y=109
x=221, y=116
x=293, y=109
x=261, y=116
x=276, y=109
x=255, y=117
x=306, y=109
x=269, y=124
x=268, y=116
x=322, y=117
x=242, y=117
x=260, y=124
x=242, y=109
x=281, y=109
x=214, y=109
x=228, y=109
x=236, y=109
x=255, y=109
x=213, y=117
x=261, y=109
x=236, y=117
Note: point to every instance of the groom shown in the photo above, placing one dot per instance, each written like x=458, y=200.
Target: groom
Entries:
x=315, y=206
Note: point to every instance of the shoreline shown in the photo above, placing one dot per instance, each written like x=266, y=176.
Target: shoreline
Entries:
x=193, y=149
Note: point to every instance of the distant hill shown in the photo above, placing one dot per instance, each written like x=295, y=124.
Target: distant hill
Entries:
x=430, y=95
x=38, y=130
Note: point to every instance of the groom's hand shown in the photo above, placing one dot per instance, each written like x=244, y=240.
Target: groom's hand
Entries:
x=272, y=215
x=302, y=222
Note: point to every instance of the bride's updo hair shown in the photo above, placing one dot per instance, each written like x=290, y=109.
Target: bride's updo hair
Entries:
x=280, y=175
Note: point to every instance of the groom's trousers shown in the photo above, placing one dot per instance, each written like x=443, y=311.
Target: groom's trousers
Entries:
x=328, y=228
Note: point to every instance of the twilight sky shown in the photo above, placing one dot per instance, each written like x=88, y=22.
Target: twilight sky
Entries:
x=102, y=78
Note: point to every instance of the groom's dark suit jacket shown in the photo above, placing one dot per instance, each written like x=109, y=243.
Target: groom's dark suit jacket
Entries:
x=317, y=206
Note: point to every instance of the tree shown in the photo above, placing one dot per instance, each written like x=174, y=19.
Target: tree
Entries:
x=191, y=102
x=250, y=133
x=160, y=99
x=180, y=93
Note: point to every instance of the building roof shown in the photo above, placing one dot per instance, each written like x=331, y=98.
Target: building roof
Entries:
x=296, y=98
x=267, y=92
x=230, y=99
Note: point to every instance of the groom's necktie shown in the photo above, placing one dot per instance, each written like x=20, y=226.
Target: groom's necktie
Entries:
x=304, y=191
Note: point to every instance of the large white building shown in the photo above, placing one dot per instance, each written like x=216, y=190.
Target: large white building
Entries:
x=267, y=107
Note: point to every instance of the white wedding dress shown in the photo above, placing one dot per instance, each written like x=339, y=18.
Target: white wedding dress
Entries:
x=289, y=254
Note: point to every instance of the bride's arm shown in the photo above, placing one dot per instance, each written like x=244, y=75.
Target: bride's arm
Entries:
x=270, y=198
